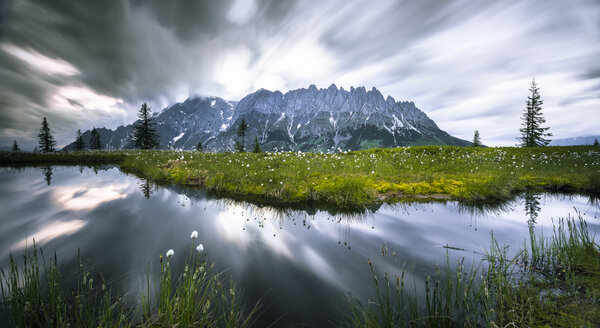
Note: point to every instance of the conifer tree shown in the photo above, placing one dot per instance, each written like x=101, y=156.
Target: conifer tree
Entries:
x=532, y=132
x=596, y=142
x=476, y=139
x=144, y=133
x=95, y=142
x=15, y=146
x=256, y=146
x=199, y=146
x=79, y=144
x=241, y=132
x=45, y=139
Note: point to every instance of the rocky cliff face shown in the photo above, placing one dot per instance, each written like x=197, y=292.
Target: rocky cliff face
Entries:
x=304, y=119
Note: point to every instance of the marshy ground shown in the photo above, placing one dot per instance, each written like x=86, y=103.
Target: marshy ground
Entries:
x=355, y=180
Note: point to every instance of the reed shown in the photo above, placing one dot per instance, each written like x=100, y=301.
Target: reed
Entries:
x=552, y=282
x=34, y=294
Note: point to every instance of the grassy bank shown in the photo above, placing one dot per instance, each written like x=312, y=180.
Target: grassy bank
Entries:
x=554, y=282
x=355, y=180
x=34, y=294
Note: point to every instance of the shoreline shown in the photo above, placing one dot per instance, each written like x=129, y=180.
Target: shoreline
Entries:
x=353, y=181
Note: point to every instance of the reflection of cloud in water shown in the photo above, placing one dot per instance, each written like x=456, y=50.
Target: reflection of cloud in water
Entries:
x=232, y=225
x=319, y=265
x=51, y=231
x=78, y=198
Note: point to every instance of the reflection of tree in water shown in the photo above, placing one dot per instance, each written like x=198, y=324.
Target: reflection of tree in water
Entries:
x=532, y=207
x=146, y=188
x=47, y=170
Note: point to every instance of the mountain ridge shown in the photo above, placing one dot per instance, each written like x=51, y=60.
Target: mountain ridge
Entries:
x=575, y=141
x=307, y=119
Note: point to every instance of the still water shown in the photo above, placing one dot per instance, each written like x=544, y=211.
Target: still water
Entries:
x=301, y=265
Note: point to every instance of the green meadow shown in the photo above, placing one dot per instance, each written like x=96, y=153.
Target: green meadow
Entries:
x=358, y=179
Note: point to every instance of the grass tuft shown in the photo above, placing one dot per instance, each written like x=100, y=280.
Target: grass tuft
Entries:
x=552, y=283
x=34, y=295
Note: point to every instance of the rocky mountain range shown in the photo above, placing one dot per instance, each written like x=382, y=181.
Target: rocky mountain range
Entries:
x=577, y=141
x=307, y=119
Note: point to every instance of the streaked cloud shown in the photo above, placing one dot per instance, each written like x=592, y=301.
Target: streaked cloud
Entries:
x=467, y=64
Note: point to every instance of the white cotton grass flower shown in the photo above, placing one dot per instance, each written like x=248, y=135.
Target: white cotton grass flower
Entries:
x=200, y=248
x=170, y=253
x=194, y=235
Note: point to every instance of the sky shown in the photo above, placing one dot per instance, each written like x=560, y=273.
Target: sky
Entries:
x=466, y=64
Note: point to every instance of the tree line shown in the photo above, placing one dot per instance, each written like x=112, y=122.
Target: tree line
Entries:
x=145, y=136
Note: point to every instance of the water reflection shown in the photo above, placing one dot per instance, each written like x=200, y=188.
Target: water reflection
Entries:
x=49, y=232
x=532, y=207
x=47, y=171
x=80, y=198
x=146, y=188
x=301, y=264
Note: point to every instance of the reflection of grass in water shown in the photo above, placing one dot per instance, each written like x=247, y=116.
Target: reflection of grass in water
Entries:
x=355, y=180
x=34, y=295
x=553, y=283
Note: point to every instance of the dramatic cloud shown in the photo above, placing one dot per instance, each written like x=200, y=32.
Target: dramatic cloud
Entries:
x=467, y=64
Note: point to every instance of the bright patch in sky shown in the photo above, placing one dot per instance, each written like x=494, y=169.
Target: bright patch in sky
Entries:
x=40, y=62
x=83, y=98
x=241, y=11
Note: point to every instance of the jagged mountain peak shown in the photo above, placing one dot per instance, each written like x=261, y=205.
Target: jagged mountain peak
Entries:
x=308, y=119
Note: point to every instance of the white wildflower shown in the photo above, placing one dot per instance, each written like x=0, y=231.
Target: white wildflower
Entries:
x=200, y=248
x=194, y=235
x=170, y=253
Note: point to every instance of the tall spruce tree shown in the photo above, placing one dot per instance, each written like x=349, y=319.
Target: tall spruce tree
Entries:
x=95, y=142
x=15, y=146
x=46, y=141
x=595, y=142
x=256, y=146
x=199, y=146
x=476, y=139
x=241, y=132
x=532, y=132
x=79, y=144
x=144, y=132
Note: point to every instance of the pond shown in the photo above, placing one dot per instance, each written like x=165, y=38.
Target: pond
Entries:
x=302, y=265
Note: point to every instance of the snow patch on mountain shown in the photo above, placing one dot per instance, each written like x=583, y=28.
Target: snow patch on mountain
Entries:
x=178, y=137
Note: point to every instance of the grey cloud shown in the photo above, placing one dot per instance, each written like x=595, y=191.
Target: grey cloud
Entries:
x=161, y=51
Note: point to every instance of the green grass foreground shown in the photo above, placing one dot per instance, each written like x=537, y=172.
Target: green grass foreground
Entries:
x=34, y=294
x=355, y=180
x=553, y=282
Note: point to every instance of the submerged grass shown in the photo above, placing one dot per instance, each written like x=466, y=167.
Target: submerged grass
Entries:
x=355, y=180
x=554, y=282
x=34, y=294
